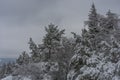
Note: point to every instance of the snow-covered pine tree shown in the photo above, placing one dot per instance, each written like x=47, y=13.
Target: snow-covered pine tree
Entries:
x=112, y=23
x=23, y=59
x=93, y=20
x=35, y=51
x=93, y=27
x=19, y=60
x=52, y=39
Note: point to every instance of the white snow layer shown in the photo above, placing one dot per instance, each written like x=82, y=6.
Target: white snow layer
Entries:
x=11, y=78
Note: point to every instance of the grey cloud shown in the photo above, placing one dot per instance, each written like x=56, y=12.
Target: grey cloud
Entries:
x=21, y=19
x=23, y=7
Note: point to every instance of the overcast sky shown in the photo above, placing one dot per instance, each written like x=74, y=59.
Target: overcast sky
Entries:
x=22, y=19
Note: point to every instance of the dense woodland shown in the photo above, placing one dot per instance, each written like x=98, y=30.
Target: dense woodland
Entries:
x=93, y=55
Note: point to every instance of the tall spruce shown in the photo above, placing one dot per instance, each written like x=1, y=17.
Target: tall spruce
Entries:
x=93, y=20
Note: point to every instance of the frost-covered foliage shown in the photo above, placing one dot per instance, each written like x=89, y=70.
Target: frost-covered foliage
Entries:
x=93, y=55
x=52, y=39
x=16, y=78
x=6, y=69
x=23, y=59
x=97, y=56
x=46, y=61
x=96, y=69
x=38, y=71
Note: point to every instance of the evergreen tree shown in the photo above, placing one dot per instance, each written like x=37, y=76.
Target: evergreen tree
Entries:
x=90, y=35
x=35, y=51
x=52, y=39
x=23, y=59
x=112, y=21
x=93, y=20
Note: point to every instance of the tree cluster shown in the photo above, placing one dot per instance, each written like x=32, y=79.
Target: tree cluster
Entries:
x=97, y=56
x=93, y=55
